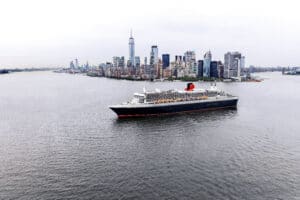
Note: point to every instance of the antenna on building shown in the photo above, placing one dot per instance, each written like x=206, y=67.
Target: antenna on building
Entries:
x=131, y=32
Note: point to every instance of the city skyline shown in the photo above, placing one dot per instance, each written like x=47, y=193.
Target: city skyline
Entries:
x=184, y=66
x=32, y=35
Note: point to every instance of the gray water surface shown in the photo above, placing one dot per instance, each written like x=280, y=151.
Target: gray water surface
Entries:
x=59, y=140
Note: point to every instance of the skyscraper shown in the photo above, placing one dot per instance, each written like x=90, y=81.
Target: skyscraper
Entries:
x=206, y=64
x=200, y=69
x=137, y=61
x=72, y=66
x=165, y=61
x=154, y=55
x=220, y=69
x=214, y=69
x=242, y=65
x=190, y=56
x=233, y=62
x=131, y=50
x=76, y=63
x=178, y=59
x=116, y=61
x=122, y=62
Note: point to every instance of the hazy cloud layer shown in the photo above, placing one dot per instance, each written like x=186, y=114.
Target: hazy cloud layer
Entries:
x=52, y=32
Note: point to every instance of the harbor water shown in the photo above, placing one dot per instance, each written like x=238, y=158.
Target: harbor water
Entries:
x=59, y=140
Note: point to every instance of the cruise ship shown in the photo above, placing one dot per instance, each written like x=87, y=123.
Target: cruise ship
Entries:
x=153, y=103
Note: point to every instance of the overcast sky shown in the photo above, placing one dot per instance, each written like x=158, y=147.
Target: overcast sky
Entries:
x=53, y=32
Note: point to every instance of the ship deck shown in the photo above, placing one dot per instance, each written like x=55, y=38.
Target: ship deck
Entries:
x=145, y=105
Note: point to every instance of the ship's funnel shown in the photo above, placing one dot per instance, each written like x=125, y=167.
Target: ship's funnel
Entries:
x=190, y=87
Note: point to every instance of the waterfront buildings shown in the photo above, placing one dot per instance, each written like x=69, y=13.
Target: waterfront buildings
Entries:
x=122, y=62
x=72, y=66
x=220, y=69
x=165, y=60
x=242, y=65
x=76, y=63
x=206, y=64
x=154, y=55
x=183, y=66
x=200, y=69
x=131, y=50
x=190, y=56
x=137, y=61
x=116, y=61
x=119, y=61
x=214, y=69
x=233, y=64
x=178, y=59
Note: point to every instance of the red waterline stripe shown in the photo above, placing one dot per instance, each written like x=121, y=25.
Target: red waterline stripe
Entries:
x=172, y=113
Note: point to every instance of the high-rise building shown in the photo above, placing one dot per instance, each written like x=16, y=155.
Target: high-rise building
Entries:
x=76, y=63
x=178, y=59
x=148, y=70
x=116, y=61
x=145, y=61
x=122, y=62
x=154, y=55
x=189, y=56
x=214, y=69
x=242, y=71
x=200, y=69
x=165, y=61
x=137, y=61
x=87, y=65
x=131, y=50
x=206, y=64
x=72, y=66
x=220, y=69
x=119, y=61
x=233, y=62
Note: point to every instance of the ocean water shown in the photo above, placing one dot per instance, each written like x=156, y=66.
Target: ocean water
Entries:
x=59, y=140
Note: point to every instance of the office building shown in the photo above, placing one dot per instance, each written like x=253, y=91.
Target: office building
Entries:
x=189, y=56
x=220, y=69
x=131, y=50
x=76, y=63
x=154, y=55
x=165, y=61
x=116, y=61
x=72, y=66
x=206, y=64
x=214, y=69
x=200, y=69
x=178, y=59
x=137, y=61
x=122, y=62
x=233, y=62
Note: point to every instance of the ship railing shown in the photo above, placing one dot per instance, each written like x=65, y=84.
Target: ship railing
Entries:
x=174, y=96
x=160, y=101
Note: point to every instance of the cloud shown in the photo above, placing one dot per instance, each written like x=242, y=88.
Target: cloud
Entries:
x=56, y=30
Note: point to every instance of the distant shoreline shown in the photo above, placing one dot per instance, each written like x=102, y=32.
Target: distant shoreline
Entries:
x=7, y=71
x=169, y=79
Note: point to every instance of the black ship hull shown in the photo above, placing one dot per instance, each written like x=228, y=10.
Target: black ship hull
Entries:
x=124, y=111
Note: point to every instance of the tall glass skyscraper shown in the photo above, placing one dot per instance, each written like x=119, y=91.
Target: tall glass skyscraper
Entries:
x=166, y=60
x=154, y=55
x=206, y=64
x=131, y=50
x=200, y=69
